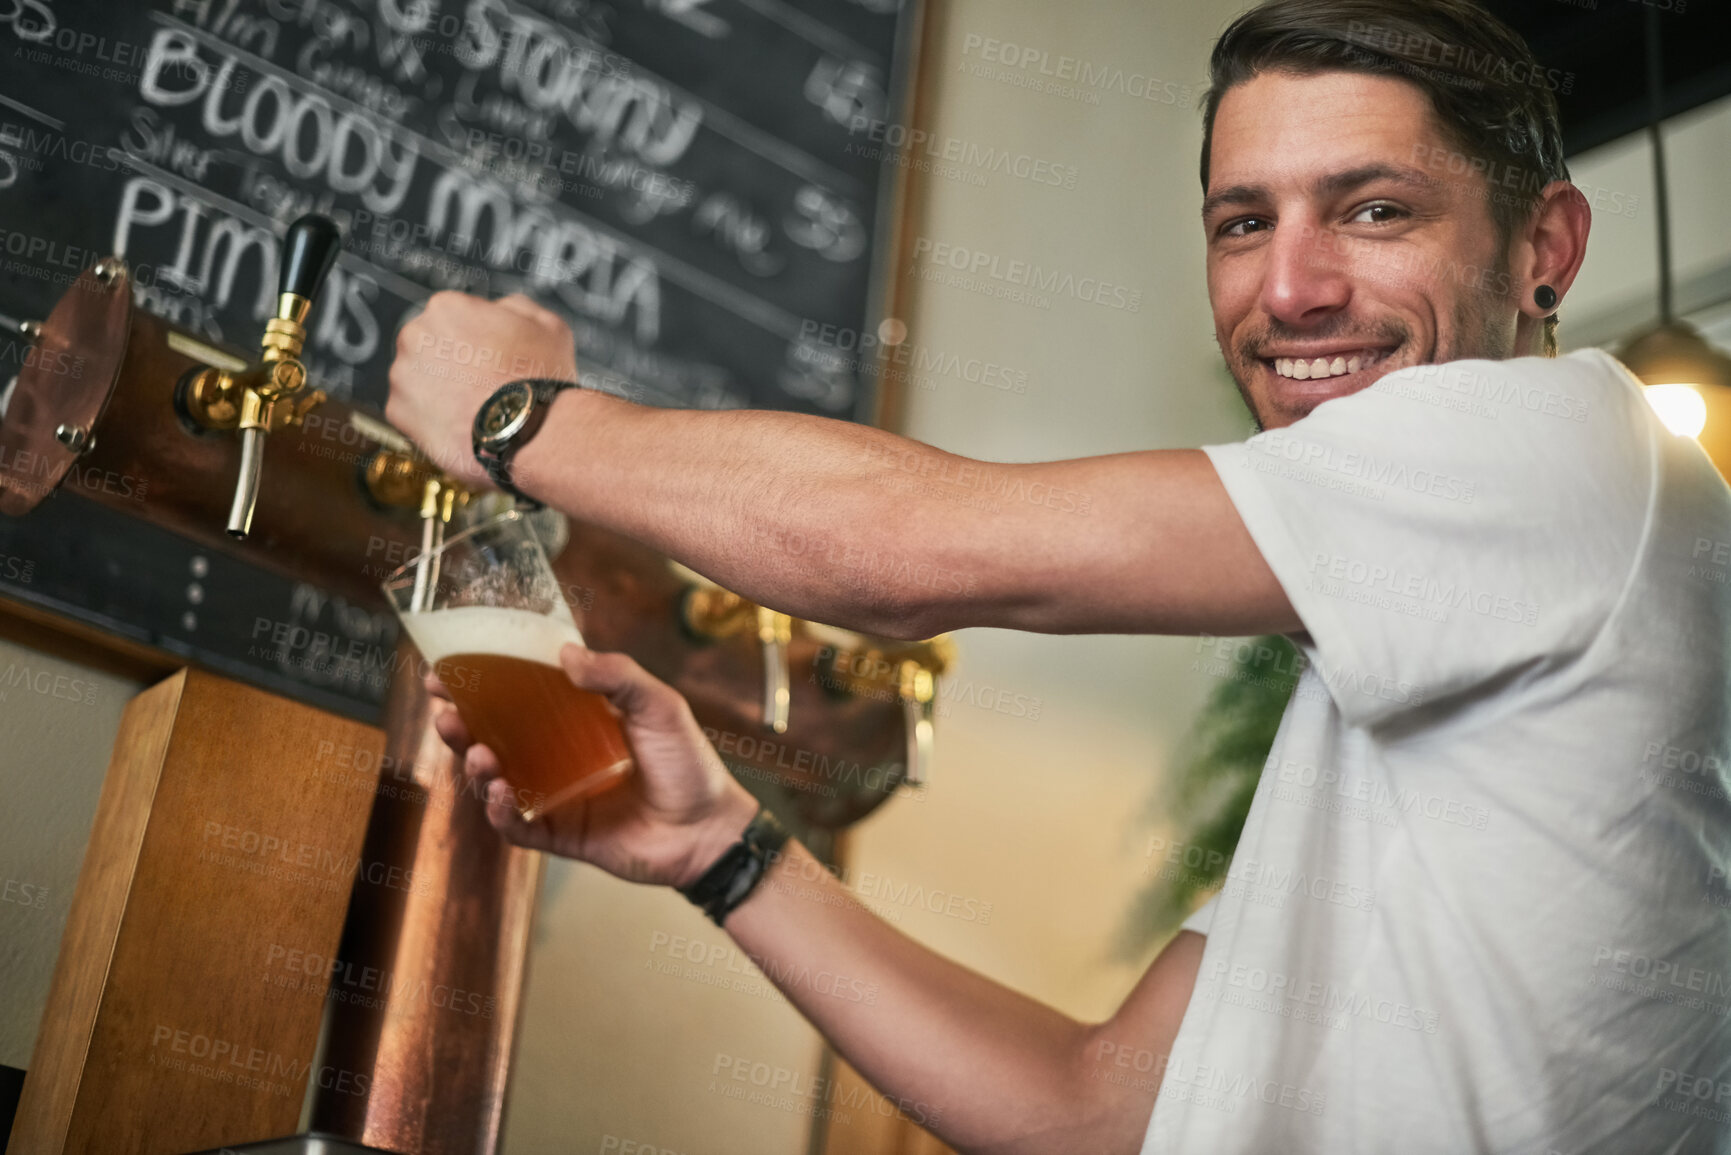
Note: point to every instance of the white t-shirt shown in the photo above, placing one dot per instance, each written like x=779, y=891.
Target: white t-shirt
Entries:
x=1480, y=902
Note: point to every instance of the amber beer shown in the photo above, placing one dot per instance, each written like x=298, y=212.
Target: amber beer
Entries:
x=485, y=611
x=555, y=742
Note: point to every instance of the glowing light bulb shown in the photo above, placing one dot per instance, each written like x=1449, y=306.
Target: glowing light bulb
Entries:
x=1680, y=407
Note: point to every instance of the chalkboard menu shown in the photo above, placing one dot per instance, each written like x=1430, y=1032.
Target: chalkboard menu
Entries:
x=681, y=180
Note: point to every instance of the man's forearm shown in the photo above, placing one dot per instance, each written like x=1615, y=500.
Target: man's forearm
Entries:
x=800, y=513
x=982, y=1067
x=841, y=523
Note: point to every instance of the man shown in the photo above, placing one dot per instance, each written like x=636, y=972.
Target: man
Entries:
x=1480, y=900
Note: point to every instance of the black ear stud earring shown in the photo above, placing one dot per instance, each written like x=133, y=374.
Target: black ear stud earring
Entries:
x=1545, y=297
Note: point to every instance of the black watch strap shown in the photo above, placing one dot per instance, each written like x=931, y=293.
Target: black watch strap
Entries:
x=740, y=868
x=499, y=473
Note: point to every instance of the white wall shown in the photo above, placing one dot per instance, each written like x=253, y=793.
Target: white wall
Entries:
x=57, y=726
x=633, y=998
x=1616, y=292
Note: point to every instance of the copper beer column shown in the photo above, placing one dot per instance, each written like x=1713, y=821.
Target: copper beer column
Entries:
x=449, y=940
x=136, y=456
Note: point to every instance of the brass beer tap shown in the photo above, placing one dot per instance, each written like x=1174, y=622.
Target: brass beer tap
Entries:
x=403, y=479
x=917, y=686
x=910, y=670
x=709, y=611
x=272, y=393
x=868, y=667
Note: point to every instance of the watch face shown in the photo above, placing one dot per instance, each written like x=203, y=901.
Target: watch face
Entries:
x=503, y=415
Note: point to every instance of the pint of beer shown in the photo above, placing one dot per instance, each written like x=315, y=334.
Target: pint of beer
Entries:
x=486, y=611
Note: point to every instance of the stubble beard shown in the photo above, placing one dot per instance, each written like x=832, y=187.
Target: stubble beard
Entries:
x=1478, y=333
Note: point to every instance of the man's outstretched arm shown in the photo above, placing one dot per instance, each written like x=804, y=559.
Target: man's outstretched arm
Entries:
x=843, y=523
x=984, y=1068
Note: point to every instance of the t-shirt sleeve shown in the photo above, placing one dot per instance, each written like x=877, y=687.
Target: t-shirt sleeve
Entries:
x=1202, y=918
x=1452, y=524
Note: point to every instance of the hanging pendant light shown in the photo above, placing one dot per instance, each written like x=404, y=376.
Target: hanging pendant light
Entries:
x=1680, y=369
x=1688, y=380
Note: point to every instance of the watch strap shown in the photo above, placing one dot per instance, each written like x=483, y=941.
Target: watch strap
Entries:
x=732, y=878
x=499, y=473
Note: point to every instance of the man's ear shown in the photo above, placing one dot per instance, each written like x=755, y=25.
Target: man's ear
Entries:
x=1550, y=249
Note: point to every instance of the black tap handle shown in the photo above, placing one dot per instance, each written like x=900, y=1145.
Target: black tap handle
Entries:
x=308, y=250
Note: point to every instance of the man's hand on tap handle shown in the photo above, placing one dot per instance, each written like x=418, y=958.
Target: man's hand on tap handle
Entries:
x=452, y=357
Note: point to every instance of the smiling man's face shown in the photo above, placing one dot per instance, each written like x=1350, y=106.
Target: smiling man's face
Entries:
x=1338, y=250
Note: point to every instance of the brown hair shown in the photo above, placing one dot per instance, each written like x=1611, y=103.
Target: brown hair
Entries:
x=1492, y=99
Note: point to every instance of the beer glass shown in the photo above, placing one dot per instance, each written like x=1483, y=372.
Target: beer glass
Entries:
x=486, y=611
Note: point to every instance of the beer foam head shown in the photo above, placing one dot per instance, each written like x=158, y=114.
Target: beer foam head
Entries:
x=490, y=630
